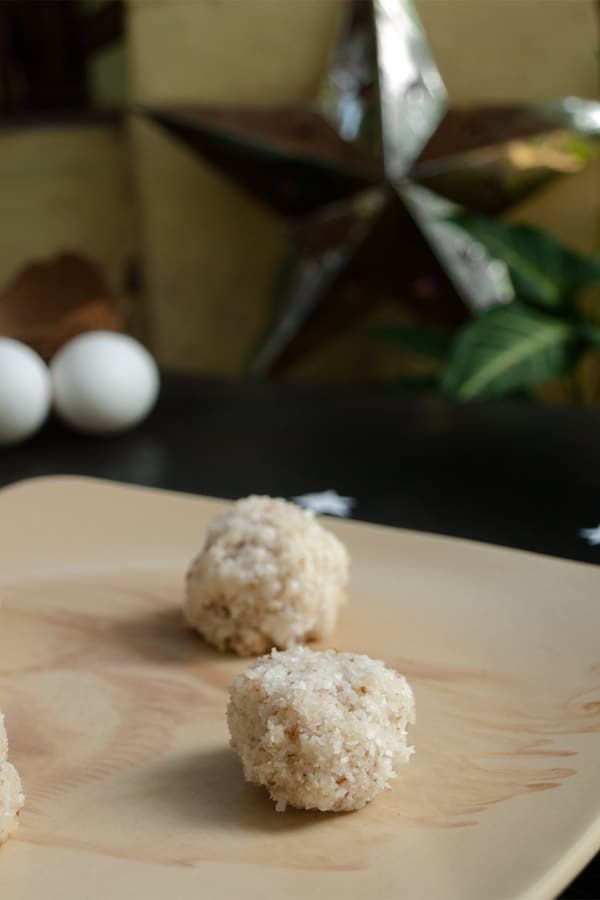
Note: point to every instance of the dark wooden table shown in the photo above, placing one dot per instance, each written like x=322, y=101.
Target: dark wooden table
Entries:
x=508, y=474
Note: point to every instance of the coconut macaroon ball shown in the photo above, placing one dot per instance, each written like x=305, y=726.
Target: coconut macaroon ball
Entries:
x=269, y=576
x=320, y=730
x=11, y=792
x=11, y=800
x=3, y=740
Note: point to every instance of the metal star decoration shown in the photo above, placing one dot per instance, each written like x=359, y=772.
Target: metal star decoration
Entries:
x=344, y=173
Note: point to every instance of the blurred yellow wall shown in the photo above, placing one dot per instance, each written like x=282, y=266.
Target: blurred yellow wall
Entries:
x=503, y=50
x=65, y=189
x=506, y=50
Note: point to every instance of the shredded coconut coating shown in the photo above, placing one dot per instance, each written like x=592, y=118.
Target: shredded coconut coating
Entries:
x=320, y=730
x=3, y=741
x=269, y=576
x=11, y=792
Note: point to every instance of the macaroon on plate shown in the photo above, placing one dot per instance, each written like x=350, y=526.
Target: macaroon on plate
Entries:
x=116, y=715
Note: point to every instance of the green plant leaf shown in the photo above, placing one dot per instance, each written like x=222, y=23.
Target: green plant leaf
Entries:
x=542, y=270
x=419, y=339
x=506, y=349
x=590, y=333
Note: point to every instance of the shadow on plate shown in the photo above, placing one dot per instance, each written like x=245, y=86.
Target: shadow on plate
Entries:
x=207, y=788
x=162, y=636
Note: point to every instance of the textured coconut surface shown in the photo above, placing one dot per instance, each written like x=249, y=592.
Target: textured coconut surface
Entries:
x=320, y=730
x=11, y=791
x=270, y=575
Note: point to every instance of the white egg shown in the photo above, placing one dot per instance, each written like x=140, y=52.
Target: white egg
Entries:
x=24, y=391
x=103, y=382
